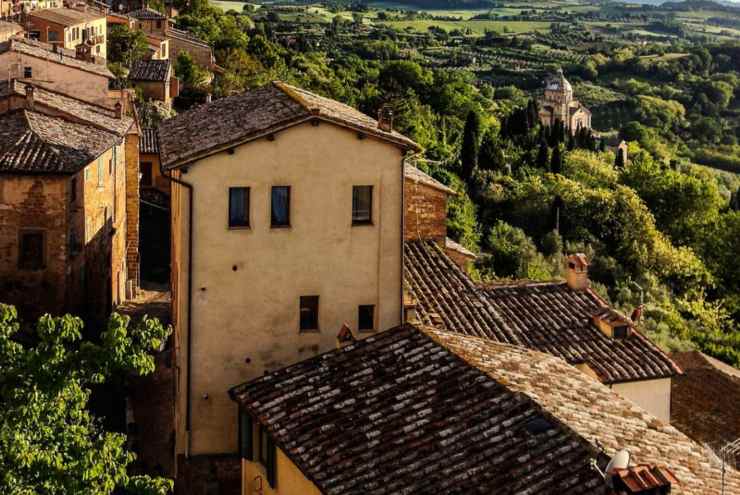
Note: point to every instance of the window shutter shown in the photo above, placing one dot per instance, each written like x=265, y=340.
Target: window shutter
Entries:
x=271, y=466
x=245, y=436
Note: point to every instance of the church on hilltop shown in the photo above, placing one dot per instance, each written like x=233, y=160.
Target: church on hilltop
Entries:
x=558, y=104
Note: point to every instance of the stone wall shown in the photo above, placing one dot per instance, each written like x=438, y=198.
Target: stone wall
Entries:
x=132, y=208
x=425, y=208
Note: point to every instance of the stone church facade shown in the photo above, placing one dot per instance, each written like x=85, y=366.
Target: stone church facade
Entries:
x=558, y=104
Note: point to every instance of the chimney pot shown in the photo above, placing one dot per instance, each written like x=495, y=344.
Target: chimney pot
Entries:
x=576, y=271
x=385, y=119
x=345, y=336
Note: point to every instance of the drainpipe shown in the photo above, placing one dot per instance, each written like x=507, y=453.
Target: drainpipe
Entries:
x=188, y=412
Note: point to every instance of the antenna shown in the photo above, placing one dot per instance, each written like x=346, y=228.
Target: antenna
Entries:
x=620, y=460
x=727, y=452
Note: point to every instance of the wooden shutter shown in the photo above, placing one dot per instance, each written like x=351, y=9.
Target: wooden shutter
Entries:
x=246, y=443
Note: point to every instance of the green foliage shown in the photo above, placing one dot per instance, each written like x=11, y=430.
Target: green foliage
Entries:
x=126, y=46
x=470, y=145
x=49, y=440
x=514, y=254
x=191, y=75
x=462, y=224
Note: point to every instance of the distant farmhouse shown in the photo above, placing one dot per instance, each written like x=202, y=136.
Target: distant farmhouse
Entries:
x=558, y=104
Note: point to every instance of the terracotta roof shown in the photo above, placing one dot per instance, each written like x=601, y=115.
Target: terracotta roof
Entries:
x=414, y=174
x=150, y=70
x=35, y=143
x=705, y=400
x=45, y=52
x=236, y=119
x=186, y=36
x=66, y=17
x=398, y=413
x=97, y=115
x=594, y=411
x=643, y=478
x=147, y=14
x=549, y=317
x=149, y=142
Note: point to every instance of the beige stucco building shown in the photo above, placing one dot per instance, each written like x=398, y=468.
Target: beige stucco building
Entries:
x=296, y=229
x=558, y=104
x=70, y=28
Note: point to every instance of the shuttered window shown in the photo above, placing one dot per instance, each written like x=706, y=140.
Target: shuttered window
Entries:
x=362, y=205
x=238, y=207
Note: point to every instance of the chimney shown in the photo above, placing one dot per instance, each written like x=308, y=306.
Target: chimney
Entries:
x=119, y=110
x=576, y=267
x=29, y=97
x=637, y=313
x=643, y=479
x=612, y=323
x=345, y=336
x=385, y=119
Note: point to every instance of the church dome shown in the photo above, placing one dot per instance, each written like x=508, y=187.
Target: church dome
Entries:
x=559, y=83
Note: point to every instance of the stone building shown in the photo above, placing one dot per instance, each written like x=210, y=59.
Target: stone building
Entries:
x=558, y=105
x=70, y=28
x=63, y=195
x=155, y=79
x=286, y=221
x=61, y=70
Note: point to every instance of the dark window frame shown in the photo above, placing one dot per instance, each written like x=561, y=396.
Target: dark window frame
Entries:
x=246, y=436
x=244, y=223
x=362, y=319
x=27, y=72
x=364, y=219
x=308, y=303
x=28, y=264
x=147, y=179
x=273, y=223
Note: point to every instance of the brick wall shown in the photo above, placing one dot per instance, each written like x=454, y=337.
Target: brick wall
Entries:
x=132, y=207
x=219, y=474
x=425, y=209
x=33, y=203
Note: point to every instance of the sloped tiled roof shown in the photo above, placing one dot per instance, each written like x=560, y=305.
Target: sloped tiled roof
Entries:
x=65, y=16
x=186, y=36
x=150, y=70
x=239, y=118
x=414, y=174
x=549, y=317
x=149, y=142
x=147, y=14
x=398, y=413
x=97, y=115
x=705, y=400
x=594, y=411
x=45, y=52
x=35, y=143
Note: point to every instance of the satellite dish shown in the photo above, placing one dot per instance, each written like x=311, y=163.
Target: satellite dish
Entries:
x=621, y=460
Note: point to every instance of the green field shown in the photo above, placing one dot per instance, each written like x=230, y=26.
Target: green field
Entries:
x=227, y=5
x=477, y=28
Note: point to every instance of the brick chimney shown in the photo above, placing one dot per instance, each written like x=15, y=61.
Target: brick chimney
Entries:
x=643, y=479
x=576, y=271
x=345, y=336
x=385, y=119
x=29, y=97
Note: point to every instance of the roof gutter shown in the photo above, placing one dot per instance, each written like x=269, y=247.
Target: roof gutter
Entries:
x=188, y=327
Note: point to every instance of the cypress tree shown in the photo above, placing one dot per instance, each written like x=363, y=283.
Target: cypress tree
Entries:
x=572, y=141
x=556, y=162
x=602, y=145
x=470, y=145
x=619, y=161
x=543, y=155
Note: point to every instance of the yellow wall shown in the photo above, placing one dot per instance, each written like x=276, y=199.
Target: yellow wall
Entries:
x=290, y=479
x=68, y=37
x=247, y=282
x=652, y=395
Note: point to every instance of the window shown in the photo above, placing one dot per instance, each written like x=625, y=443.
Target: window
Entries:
x=146, y=173
x=309, y=313
x=28, y=72
x=159, y=24
x=366, y=317
x=362, y=205
x=53, y=36
x=100, y=172
x=280, y=206
x=238, y=207
x=31, y=252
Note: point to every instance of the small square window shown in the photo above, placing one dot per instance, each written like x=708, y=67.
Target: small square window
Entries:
x=362, y=205
x=238, y=207
x=31, y=252
x=28, y=72
x=366, y=317
x=309, y=313
x=280, y=206
x=146, y=173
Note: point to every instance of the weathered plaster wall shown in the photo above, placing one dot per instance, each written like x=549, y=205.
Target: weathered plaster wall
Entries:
x=247, y=282
x=652, y=395
x=289, y=479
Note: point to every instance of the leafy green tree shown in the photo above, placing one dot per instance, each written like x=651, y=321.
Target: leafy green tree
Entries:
x=49, y=440
x=491, y=156
x=514, y=254
x=126, y=46
x=470, y=145
x=190, y=73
